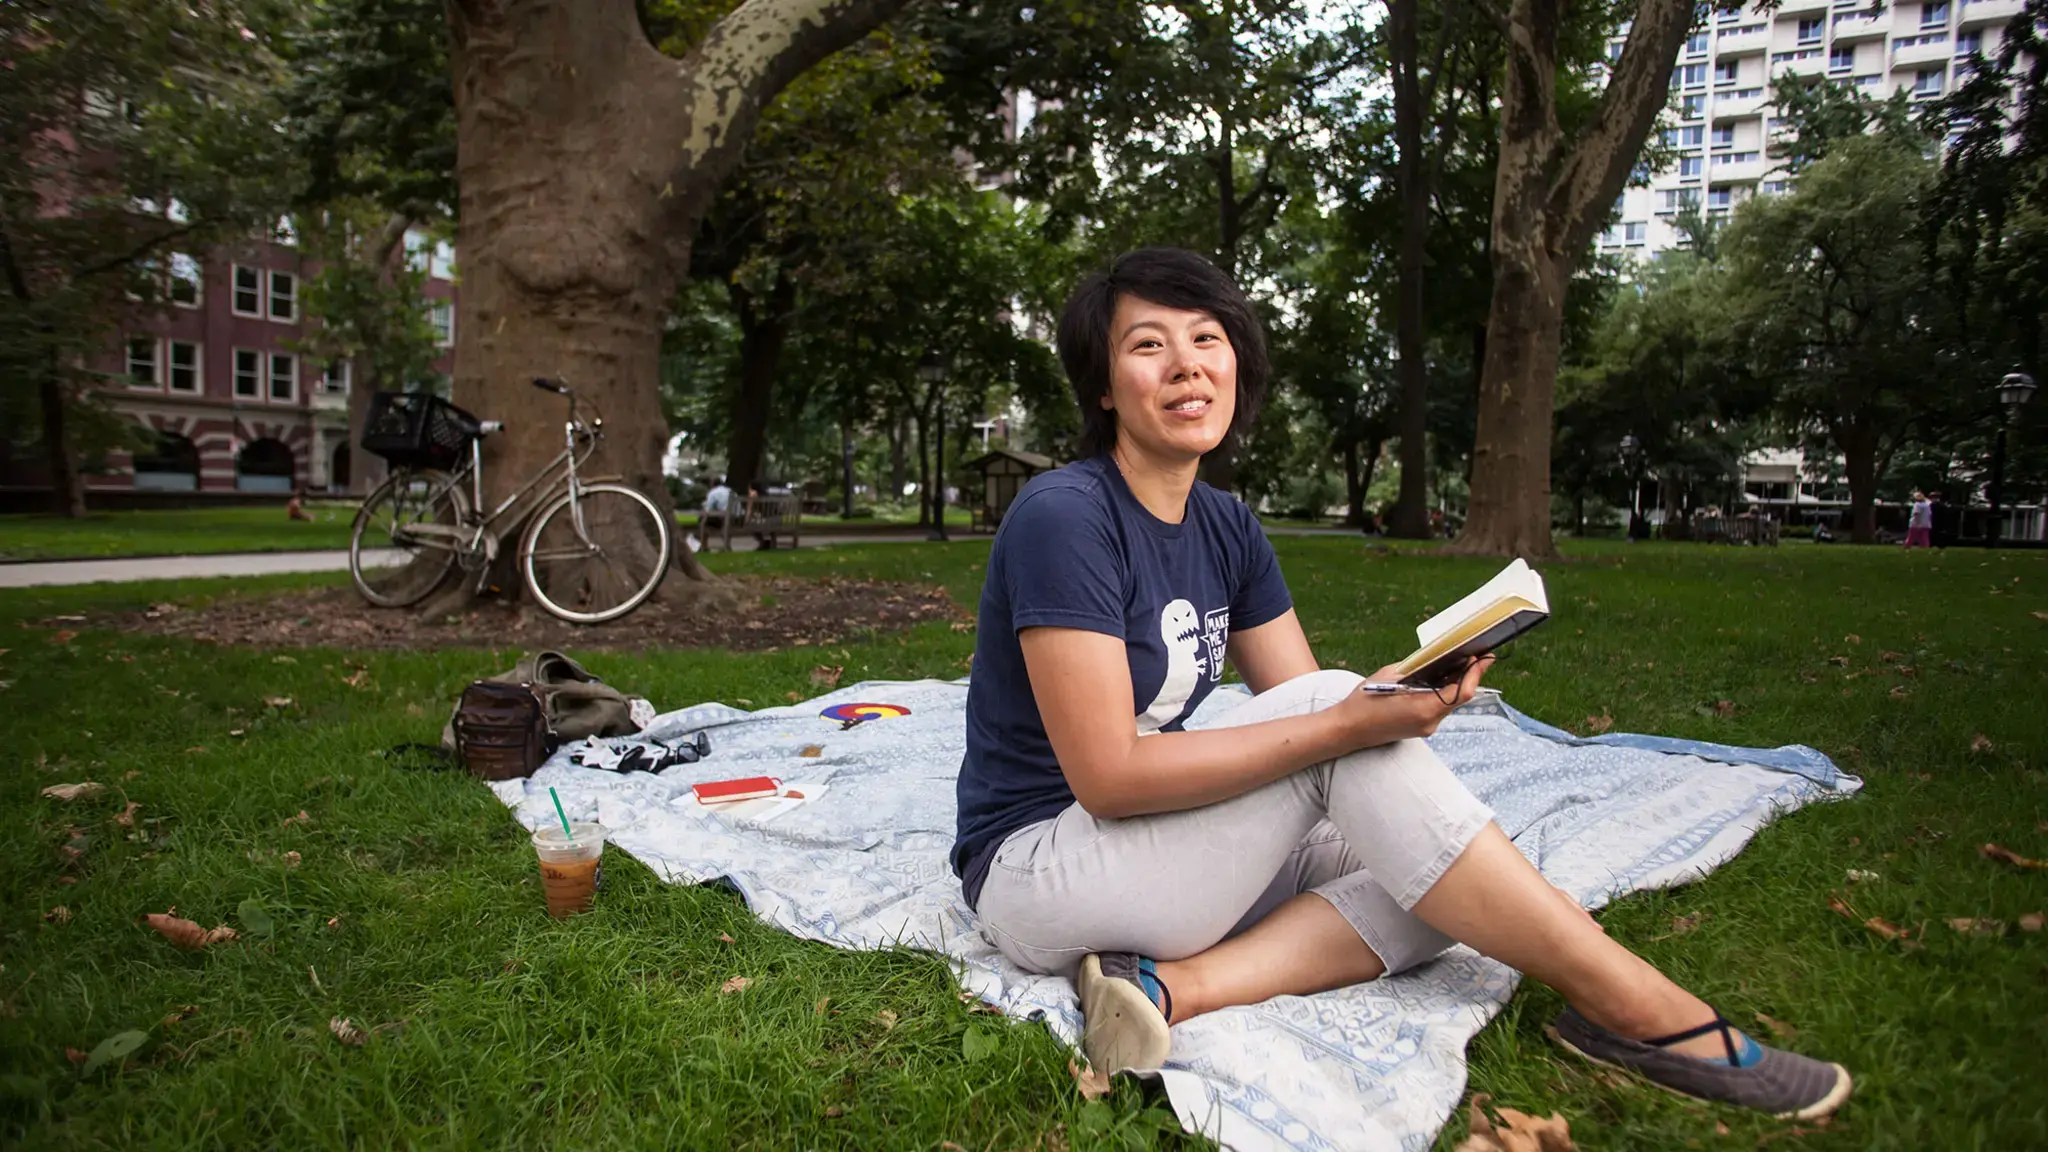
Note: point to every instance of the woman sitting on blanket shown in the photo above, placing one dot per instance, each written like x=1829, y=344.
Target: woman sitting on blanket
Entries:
x=1309, y=842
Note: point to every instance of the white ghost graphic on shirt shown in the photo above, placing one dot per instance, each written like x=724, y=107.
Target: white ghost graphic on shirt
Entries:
x=1181, y=629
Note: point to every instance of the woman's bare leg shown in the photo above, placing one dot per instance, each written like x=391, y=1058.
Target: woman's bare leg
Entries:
x=1301, y=947
x=1493, y=899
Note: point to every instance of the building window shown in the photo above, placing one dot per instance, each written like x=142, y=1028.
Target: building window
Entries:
x=1720, y=198
x=248, y=291
x=1672, y=199
x=1697, y=45
x=1934, y=15
x=248, y=374
x=284, y=297
x=1969, y=43
x=1842, y=59
x=1927, y=82
x=1724, y=135
x=441, y=262
x=335, y=381
x=1687, y=137
x=441, y=314
x=1776, y=187
x=142, y=362
x=1725, y=71
x=186, y=280
x=1689, y=167
x=284, y=377
x=184, y=366
x=1635, y=232
x=284, y=233
x=1689, y=75
x=1809, y=31
x=1692, y=107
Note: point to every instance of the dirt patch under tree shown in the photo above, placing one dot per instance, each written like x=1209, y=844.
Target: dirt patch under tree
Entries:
x=772, y=612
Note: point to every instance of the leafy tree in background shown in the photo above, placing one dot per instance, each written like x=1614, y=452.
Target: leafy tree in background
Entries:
x=1552, y=193
x=587, y=159
x=1829, y=292
x=130, y=131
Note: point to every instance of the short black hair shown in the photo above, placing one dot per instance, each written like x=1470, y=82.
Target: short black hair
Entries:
x=1171, y=278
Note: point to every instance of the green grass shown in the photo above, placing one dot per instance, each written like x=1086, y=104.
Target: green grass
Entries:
x=496, y=1027
x=167, y=532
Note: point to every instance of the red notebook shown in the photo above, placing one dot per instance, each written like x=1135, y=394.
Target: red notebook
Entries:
x=730, y=791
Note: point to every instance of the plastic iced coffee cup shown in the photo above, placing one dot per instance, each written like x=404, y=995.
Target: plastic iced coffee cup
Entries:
x=571, y=866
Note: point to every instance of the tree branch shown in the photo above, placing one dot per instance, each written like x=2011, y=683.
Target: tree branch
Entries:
x=1598, y=164
x=744, y=62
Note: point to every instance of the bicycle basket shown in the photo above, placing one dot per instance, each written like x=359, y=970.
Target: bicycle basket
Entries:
x=417, y=430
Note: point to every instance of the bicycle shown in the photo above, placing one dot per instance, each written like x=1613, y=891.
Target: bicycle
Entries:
x=591, y=552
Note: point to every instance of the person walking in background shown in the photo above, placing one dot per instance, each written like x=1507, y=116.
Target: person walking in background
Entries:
x=1920, y=523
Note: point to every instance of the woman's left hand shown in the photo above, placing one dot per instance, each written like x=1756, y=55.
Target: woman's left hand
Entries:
x=1413, y=714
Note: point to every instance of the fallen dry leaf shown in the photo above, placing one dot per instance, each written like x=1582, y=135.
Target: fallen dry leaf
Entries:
x=334, y=921
x=1840, y=660
x=355, y=679
x=1778, y=1028
x=301, y=818
x=1978, y=926
x=237, y=732
x=793, y=697
x=1852, y=638
x=968, y=625
x=184, y=933
x=1680, y=925
x=824, y=1002
x=277, y=701
x=886, y=1018
x=345, y=1030
x=184, y=1012
x=291, y=859
x=58, y=915
x=1724, y=707
x=1877, y=924
x=1982, y=743
x=127, y=817
x=2006, y=855
x=2031, y=922
x=735, y=984
x=76, y=1055
x=1859, y=876
x=68, y=792
x=1891, y=657
x=827, y=677
x=1899, y=692
x=812, y=751
x=1516, y=1131
x=1093, y=1085
x=1598, y=724
x=725, y=938
x=834, y=1112
x=63, y=636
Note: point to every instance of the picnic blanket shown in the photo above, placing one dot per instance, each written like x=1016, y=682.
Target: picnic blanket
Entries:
x=861, y=863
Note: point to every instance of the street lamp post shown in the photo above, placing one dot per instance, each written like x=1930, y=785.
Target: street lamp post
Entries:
x=932, y=370
x=1632, y=459
x=2013, y=392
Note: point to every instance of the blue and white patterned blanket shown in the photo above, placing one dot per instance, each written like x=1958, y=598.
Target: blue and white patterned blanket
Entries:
x=1377, y=1066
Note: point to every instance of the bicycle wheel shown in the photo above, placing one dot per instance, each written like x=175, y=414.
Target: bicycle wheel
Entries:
x=405, y=538
x=596, y=557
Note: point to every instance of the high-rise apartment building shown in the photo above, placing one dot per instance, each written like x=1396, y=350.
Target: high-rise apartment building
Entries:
x=1721, y=92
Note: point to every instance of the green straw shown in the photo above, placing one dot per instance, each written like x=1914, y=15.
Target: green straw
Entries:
x=562, y=814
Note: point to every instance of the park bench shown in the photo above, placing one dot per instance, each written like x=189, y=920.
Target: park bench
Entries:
x=770, y=516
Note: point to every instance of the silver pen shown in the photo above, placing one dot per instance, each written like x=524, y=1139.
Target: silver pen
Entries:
x=1381, y=688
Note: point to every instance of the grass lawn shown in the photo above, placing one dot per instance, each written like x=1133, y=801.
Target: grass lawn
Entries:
x=167, y=532
x=407, y=902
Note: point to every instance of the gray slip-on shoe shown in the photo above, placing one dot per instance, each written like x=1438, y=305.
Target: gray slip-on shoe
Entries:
x=1122, y=1027
x=1785, y=1084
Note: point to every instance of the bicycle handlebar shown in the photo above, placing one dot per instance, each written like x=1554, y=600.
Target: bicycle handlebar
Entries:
x=547, y=385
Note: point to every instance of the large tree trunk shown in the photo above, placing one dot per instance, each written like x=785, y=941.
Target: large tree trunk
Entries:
x=764, y=329
x=1547, y=203
x=1354, y=492
x=586, y=160
x=1859, y=461
x=67, y=487
x=1411, y=508
x=899, y=465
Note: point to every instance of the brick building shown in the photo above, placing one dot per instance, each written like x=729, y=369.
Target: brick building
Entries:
x=216, y=377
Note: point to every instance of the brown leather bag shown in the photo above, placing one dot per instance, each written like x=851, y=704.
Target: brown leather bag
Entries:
x=501, y=730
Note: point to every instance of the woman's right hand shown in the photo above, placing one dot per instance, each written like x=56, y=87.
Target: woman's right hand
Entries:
x=1382, y=718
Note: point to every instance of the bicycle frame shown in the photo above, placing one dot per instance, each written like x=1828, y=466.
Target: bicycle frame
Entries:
x=574, y=435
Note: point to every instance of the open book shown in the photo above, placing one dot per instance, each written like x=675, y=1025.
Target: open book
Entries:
x=1503, y=608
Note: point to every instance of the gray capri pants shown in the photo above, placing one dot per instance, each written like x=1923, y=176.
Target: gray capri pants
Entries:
x=1370, y=832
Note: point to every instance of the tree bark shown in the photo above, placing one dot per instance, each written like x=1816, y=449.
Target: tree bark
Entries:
x=1859, y=461
x=764, y=329
x=1548, y=200
x=899, y=472
x=67, y=486
x=1411, y=508
x=586, y=160
x=1354, y=492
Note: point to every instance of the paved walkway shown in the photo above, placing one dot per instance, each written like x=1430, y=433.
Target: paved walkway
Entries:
x=38, y=573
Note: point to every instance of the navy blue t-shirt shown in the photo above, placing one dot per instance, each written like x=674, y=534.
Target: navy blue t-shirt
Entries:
x=1077, y=550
